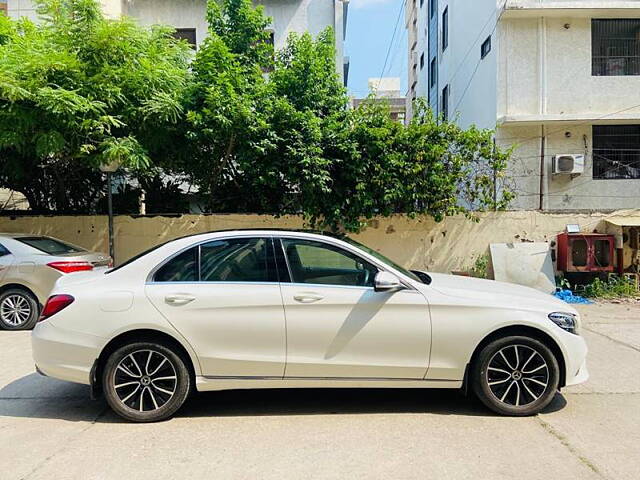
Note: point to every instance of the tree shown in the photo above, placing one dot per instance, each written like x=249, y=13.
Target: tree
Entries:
x=286, y=143
x=79, y=90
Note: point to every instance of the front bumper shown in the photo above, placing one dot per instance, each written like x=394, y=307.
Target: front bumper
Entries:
x=575, y=354
x=64, y=354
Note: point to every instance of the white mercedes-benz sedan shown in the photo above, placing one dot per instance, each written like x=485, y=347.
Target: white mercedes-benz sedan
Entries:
x=283, y=309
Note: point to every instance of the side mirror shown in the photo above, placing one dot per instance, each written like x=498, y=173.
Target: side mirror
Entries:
x=387, y=282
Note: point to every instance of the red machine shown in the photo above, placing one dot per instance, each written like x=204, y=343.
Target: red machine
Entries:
x=586, y=252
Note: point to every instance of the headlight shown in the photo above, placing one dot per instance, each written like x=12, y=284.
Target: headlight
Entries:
x=566, y=321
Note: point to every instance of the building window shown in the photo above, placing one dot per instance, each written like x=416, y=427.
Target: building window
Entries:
x=433, y=72
x=445, y=29
x=422, y=61
x=432, y=8
x=188, y=34
x=445, y=103
x=485, y=48
x=615, y=47
x=616, y=152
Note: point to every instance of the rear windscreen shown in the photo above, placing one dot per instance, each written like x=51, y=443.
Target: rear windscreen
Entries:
x=50, y=246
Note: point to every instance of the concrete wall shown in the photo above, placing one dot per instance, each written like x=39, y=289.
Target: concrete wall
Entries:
x=544, y=72
x=472, y=80
x=546, y=69
x=453, y=244
x=561, y=192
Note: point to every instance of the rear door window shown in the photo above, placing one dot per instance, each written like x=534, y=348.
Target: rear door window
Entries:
x=181, y=268
x=247, y=260
x=50, y=246
x=243, y=260
x=4, y=251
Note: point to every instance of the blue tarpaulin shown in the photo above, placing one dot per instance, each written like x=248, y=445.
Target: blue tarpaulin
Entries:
x=569, y=297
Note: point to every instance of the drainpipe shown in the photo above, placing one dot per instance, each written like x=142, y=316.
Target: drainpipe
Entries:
x=620, y=251
x=542, y=106
x=542, y=156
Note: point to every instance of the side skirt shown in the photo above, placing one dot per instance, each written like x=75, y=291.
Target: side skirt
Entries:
x=208, y=384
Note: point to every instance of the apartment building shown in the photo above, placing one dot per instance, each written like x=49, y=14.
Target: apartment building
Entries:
x=386, y=90
x=189, y=18
x=559, y=79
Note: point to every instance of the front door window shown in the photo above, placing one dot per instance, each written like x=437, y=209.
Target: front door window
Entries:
x=319, y=263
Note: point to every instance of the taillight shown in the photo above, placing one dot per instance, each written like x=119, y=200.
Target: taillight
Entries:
x=54, y=304
x=70, y=267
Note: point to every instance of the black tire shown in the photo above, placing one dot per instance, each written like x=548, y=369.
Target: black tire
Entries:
x=25, y=317
x=523, y=365
x=146, y=386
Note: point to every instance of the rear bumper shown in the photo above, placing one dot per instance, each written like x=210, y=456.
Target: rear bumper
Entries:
x=64, y=354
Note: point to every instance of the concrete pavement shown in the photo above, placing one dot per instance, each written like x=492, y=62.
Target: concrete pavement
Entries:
x=51, y=430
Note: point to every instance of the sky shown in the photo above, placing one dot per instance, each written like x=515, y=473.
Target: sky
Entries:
x=370, y=30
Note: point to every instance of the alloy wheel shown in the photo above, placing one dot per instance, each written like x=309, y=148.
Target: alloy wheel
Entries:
x=517, y=375
x=145, y=380
x=15, y=310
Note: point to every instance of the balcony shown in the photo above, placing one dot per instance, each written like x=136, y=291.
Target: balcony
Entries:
x=573, y=8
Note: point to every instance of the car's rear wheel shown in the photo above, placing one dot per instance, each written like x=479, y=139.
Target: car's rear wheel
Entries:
x=146, y=381
x=18, y=310
x=515, y=375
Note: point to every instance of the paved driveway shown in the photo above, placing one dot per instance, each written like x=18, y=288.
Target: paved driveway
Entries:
x=51, y=430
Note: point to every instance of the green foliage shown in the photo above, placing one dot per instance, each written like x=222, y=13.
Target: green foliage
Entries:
x=286, y=143
x=251, y=129
x=613, y=287
x=79, y=90
x=481, y=266
x=562, y=283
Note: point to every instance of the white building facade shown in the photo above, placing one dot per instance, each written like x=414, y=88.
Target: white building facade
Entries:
x=559, y=79
x=189, y=18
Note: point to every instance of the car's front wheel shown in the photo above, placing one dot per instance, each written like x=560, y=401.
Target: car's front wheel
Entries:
x=18, y=310
x=146, y=381
x=515, y=375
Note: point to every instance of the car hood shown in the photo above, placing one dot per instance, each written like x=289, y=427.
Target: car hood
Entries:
x=499, y=294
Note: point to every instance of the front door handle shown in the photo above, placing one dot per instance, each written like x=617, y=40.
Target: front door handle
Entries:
x=307, y=297
x=178, y=299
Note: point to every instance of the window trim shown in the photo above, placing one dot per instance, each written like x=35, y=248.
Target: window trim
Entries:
x=595, y=153
x=594, y=58
x=433, y=72
x=272, y=259
x=445, y=28
x=445, y=102
x=483, y=52
x=187, y=30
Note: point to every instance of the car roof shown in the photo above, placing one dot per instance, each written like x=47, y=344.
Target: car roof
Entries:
x=259, y=231
x=19, y=235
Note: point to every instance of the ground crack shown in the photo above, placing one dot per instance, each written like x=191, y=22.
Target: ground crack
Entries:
x=564, y=441
x=613, y=339
x=66, y=445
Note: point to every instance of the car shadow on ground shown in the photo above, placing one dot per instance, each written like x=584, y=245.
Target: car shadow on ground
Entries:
x=34, y=396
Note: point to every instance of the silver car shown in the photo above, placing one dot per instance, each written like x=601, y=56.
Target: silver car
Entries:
x=29, y=266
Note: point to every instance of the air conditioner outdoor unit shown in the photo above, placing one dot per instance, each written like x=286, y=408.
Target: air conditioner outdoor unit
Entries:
x=568, y=164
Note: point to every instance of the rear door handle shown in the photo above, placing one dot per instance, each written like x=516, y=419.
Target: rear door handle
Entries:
x=178, y=299
x=307, y=297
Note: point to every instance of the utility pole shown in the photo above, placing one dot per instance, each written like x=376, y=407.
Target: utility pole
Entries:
x=109, y=170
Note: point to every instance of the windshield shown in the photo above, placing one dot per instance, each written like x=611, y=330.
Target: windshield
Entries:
x=384, y=259
x=50, y=246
